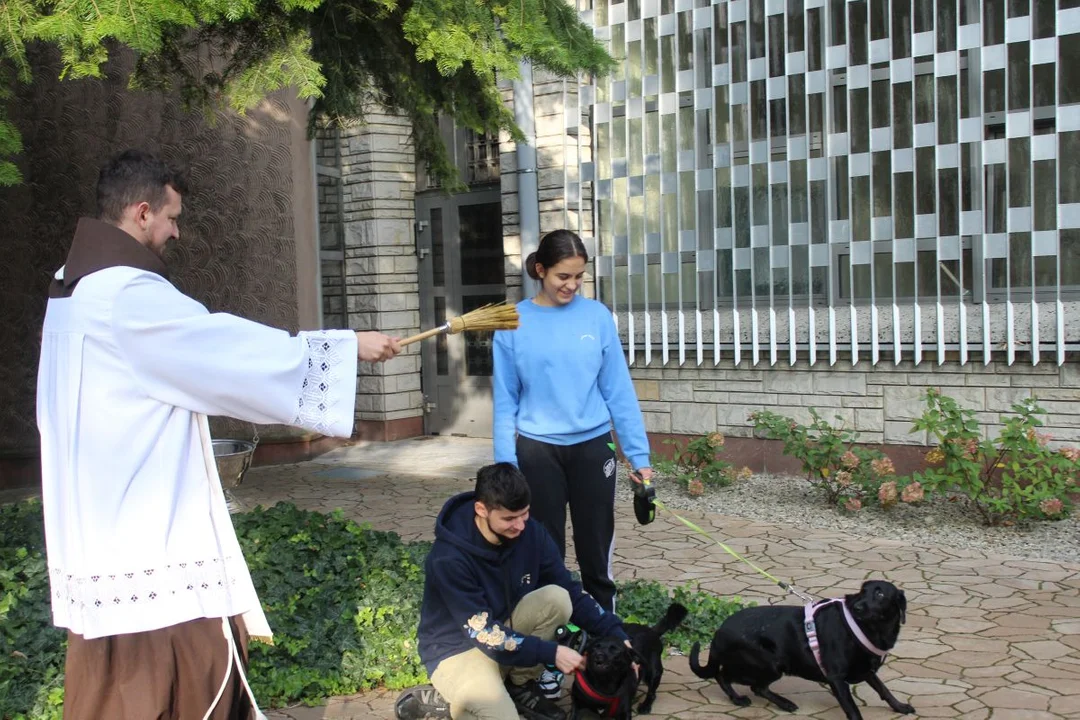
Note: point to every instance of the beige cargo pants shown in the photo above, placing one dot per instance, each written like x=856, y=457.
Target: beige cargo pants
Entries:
x=473, y=683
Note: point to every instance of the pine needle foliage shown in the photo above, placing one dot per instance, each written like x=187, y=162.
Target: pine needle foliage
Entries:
x=419, y=57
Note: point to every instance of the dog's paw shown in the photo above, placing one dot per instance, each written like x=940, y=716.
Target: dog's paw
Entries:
x=904, y=709
x=644, y=708
x=741, y=701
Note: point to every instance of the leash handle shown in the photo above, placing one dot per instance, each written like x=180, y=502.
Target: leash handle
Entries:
x=643, y=486
x=644, y=498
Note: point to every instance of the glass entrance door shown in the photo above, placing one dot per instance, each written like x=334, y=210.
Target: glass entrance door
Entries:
x=459, y=238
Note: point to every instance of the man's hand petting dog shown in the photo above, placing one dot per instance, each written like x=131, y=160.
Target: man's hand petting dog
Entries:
x=568, y=660
x=613, y=670
x=758, y=645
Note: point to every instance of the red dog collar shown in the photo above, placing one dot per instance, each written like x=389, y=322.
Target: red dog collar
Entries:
x=611, y=704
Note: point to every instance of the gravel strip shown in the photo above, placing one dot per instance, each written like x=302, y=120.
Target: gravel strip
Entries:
x=786, y=500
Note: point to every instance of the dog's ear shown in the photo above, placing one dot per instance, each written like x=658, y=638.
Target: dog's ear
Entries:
x=901, y=601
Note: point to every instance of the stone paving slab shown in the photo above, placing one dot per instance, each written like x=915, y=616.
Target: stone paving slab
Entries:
x=987, y=638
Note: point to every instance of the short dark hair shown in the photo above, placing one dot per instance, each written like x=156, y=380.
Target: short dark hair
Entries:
x=556, y=246
x=502, y=487
x=135, y=176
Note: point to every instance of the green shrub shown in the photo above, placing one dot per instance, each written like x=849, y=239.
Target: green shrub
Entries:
x=343, y=601
x=31, y=649
x=845, y=473
x=697, y=464
x=1016, y=476
x=646, y=601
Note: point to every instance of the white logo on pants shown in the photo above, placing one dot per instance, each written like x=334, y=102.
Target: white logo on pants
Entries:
x=609, y=467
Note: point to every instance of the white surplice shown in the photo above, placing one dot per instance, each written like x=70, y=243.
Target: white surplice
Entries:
x=137, y=530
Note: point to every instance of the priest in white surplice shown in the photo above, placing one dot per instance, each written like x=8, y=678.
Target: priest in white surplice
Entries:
x=146, y=572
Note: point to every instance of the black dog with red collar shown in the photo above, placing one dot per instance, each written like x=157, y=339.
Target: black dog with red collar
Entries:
x=608, y=683
x=605, y=705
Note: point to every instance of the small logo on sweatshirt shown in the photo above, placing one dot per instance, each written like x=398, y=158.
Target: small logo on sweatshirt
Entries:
x=526, y=579
x=587, y=336
x=609, y=467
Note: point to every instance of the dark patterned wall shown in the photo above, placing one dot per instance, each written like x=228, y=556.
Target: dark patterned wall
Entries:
x=236, y=253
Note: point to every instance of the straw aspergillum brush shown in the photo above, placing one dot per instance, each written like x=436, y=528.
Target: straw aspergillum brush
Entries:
x=496, y=316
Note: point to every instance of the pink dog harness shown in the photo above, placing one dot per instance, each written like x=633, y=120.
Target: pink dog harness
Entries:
x=811, y=630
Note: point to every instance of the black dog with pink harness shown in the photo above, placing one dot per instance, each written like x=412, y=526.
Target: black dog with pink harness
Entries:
x=839, y=642
x=811, y=609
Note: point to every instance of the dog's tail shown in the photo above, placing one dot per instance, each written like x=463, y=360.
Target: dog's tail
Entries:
x=676, y=613
x=711, y=668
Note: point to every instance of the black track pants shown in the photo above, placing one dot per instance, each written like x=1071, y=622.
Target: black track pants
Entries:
x=582, y=475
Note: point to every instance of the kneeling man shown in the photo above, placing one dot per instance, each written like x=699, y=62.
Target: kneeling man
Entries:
x=495, y=592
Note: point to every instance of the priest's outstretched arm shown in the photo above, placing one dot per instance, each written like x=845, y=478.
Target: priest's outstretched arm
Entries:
x=221, y=364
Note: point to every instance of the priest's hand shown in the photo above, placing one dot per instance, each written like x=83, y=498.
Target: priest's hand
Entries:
x=376, y=347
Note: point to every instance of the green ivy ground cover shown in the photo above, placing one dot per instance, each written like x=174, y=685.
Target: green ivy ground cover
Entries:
x=343, y=601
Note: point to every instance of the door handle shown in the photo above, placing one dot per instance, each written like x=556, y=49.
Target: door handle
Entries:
x=422, y=253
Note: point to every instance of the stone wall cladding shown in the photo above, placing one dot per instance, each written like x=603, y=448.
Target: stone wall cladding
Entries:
x=331, y=227
x=557, y=165
x=376, y=166
x=880, y=402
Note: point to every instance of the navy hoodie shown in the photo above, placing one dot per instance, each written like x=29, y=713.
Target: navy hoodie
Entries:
x=472, y=587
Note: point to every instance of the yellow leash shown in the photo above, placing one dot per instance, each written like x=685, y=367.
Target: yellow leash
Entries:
x=788, y=587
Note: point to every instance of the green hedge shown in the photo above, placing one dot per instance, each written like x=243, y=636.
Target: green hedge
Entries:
x=343, y=601
x=31, y=649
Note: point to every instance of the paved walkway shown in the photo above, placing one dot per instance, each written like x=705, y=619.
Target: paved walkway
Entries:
x=987, y=637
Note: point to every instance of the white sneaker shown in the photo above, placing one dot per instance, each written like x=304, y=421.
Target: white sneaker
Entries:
x=551, y=684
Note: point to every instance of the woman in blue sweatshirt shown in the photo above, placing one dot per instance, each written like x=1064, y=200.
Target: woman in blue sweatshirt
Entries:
x=561, y=380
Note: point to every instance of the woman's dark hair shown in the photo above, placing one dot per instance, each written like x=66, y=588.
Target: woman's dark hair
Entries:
x=131, y=177
x=502, y=487
x=556, y=246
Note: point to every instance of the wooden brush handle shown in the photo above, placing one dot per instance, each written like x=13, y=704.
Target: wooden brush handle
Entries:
x=423, y=336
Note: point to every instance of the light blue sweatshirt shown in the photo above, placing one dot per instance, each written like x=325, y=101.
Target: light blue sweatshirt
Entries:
x=562, y=378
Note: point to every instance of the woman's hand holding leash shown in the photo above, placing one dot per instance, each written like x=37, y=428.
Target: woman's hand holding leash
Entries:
x=644, y=495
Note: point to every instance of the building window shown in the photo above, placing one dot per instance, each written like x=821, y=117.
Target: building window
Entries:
x=481, y=158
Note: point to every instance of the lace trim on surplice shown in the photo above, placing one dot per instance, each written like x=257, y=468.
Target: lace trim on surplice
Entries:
x=316, y=398
x=85, y=593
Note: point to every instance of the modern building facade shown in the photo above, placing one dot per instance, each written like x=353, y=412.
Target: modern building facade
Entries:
x=893, y=163
x=791, y=204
